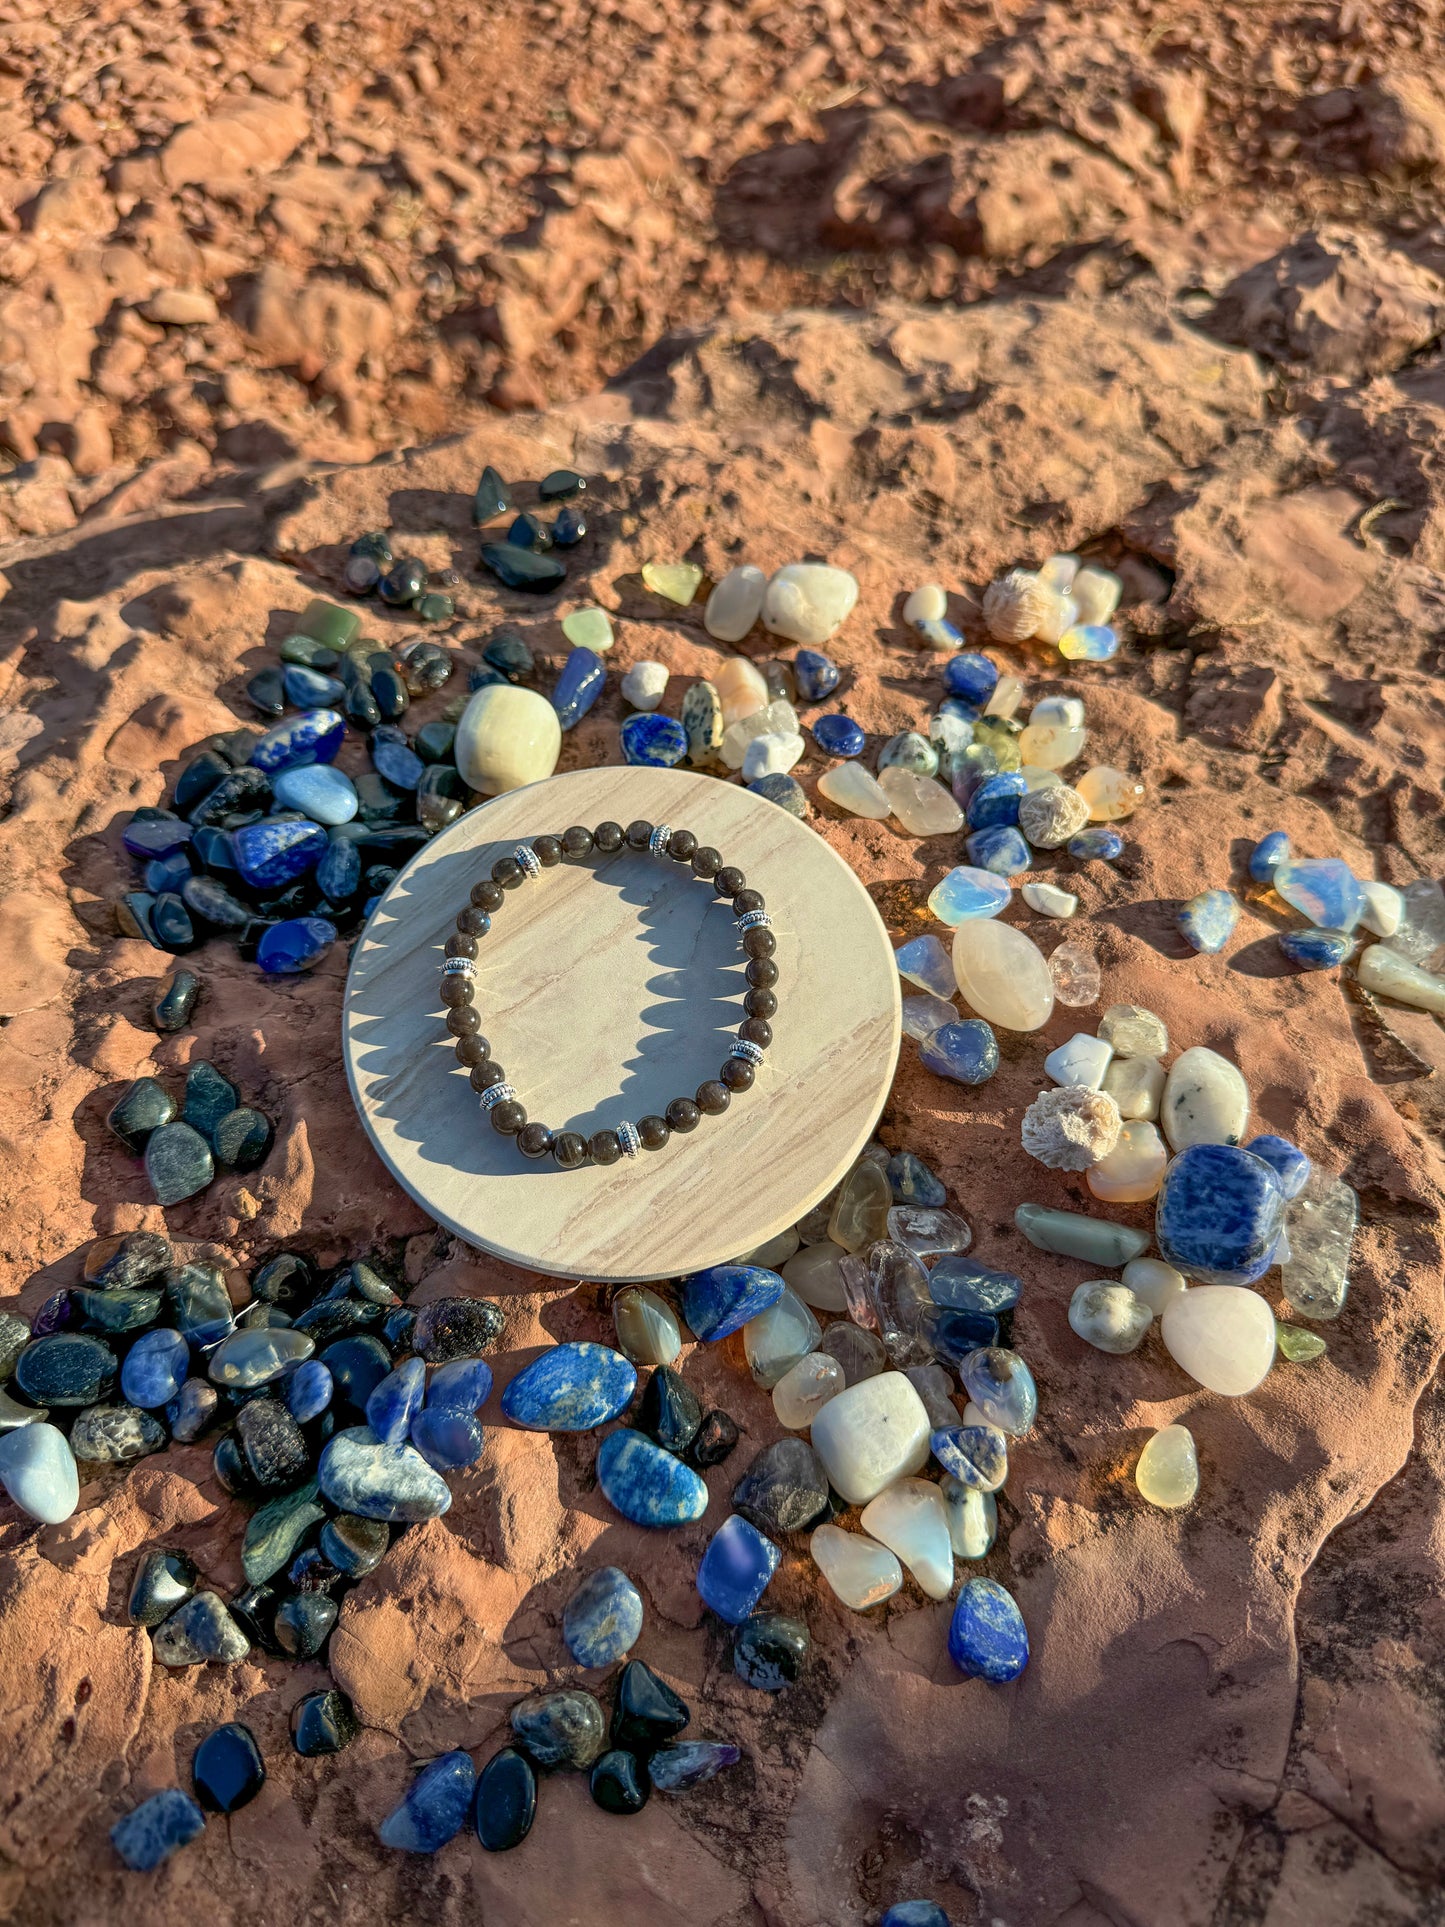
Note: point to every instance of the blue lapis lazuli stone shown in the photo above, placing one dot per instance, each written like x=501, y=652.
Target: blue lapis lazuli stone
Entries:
x=1100, y=843
x=1002, y=1387
x=338, y=874
x=602, y=1621
x=976, y=1455
x=319, y=790
x=1000, y=849
x=156, y=1828
x=967, y=1051
x=294, y=945
x=148, y=836
x=996, y=800
x=1316, y=949
x=1323, y=889
x=986, y=1637
x=911, y=1181
x=815, y=674
x=735, y=1569
x=1219, y=1215
x=966, y=893
x=657, y=742
x=1286, y=1160
x=395, y=1402
x=154, y=1369
x=955, y=1334
x=465, y=1384
x=925, y=962
x=571, y=1388
x=915, y=1913
x=720, y=1301
x=1207, y=921
x=308, y=1390
x=395, y=759
x=839, y=735
x=1267, y=855
x=960, y=1284
x=970, y=676
x=312, y=737
x=578, y=686
x=434, y=1807
x=446, y=1438
x=647, y=1485
x=309, y=689
x=168, y=873
x=272, y=854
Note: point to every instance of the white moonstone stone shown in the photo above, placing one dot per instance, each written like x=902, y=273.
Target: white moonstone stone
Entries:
x=972, y=1518
x=923, y=807
x=1008, y=693
x=1136, y=1085
x=1049, y=900
x=1206, y=1100
x=1109, y=1316
x=814, y=1275
x=1003, y=975
x=806, y=601
x=1153, y=1281
x=507, y=737
x=805, y=1388
x=742, y=689
x=1222, y=1335
x=1096, y=592
x=1167, y=1474
x=1059, y=572
x=1083, y=1060
x=928, y=604
x=777, y=1338
x=1385, y=973
x=872, y=1435
x=735, y=604
x=37, y=1469
x=850, y=787
x=771, y=755
x=645, y=684
x=1384, y=908
x=911, y=1519
x=1133, y=1171
x=774, y=719
x=1061, y=712
x=861, y=1572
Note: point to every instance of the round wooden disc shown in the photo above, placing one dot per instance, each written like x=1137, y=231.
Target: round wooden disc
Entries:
x=606, y=989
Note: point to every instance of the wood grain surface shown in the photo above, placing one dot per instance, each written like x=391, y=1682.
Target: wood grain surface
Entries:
x=606, y=989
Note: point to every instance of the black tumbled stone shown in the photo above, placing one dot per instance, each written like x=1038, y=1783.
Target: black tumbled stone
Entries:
x=716, y=1439
x=785, y=1489
x=209, y=1098
x=357, y=1366
x=230, y=1467
x=214, y=904
x=141, y=1109
x=669, y=1411
x=117, y=1311
x=646, y=1711
x=171, y=923
x=492, y=497
x=509, y=652
x=163, y=1581
x=227, y=1770
x=254, y=1611
x=355, y=1546
x=769, y=1651
x=455, y=1328
x=66, y=1368
x=506, y=1800
x=272, y=1445
x=303, y=1623
x=619, y=1782
x=242, y=1138
x=561, y=485
x=266, y=691
x=332, y=1318
x=285, y=1279
x=323, y=1723
x=175, y=1000
x=178, y=1162
x=198, y=779
x=121, y=1263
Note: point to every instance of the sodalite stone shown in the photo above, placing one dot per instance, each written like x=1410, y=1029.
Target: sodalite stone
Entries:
x=912, y=1182
x=1000, y=849
x=1316, y=949
x=971, y=677
x=154, y=1369
x=961, y=1285
x=37, y=1470
x=987, y=1638
x=1323, y=889
x=967, y=1051
x=446, y=1438
x=156, y=1829
x=571, y=1388
x=1207, y=922
x=720, y=1301
x=659, y=742
x=272, y=854
x=307, y=688
x=996, y=801
x=647, y=1485
x=602, y=1621
x=295, y=945
x=967, y=892
x=338, y=874
x=314, y=736
x=816, y=675
x=925, y=962
x=395, y=759
x=1267, y=855
x=976, y=1455
x=1219, y=1216
x=434, y=1808
x=308, y=1390
x=359, y=1474
x=1099, y=844
x=684, y=1764
x=784, y=791
x=1288, y=1162
x=395, y=1402
x=1002, y=1387
x=839, y=735
x=735, y=1569
x=578, y=686
x=915, y=1913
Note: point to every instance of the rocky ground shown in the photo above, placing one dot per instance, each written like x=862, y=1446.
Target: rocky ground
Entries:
x=927, y=292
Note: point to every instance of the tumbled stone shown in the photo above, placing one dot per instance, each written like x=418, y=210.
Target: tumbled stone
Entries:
x=1384, y=973
x=1136, y=1085
x=647, y=1331
x=1320, y=1230
x=1002, y=975
x=618, y=1782
x=646, y=1711
x=37, y=1470
x=770, y=1650
x=252, y=1358
x=813, y=1274
x=65, y=1368
x=735, y=1569
x=140, y=1110
x=155, y=1369
x=805, y=1388
x=735, y=603
x=323, y=1723
x=860, y=1572
x=777, y=1338
x=116, y=1311
x=272, y=1443
x=975, y=1455
x=960, y=1284
x=1207, y=921
x=852, y=788
x=716, y=1440
x=1001, y=1385
x=720, y=1301
x=163, y=1582
x=669, y=1411
x=434, y=1808
x=870, y=1435
x=1222, y=1335
x=571, y=1388
x=785, y=1489
x=178, y=1163
x=807, y=601
x=915, y=1913
x=1323, y=889
x=647, y=1485
x=199, y=1631
x=507, y=737
x=1133, y=1170
x=1206, y=1100
x=909, y=1518
x=674, y=581
x=1110, y=793
x=303, y=1624
x=149, y=1834
x=1109, y=1316
x=227, y=1769
x=1219, y=1215
x=966, y=1051
x=972, y=1518
x=986, y=1637
x=925, y=1015
x=392, y=1482
x=192, y=1410
x=1075, y=1235
x=1153, y=1282
x=603, y=1619
x=1167, y=1474
x=925, y=962
x=860, y=1212
x=683, y=1764
x=451, y=1328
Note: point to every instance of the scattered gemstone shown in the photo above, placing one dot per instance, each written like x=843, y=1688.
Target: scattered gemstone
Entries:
x=1003, y=975
x=37, y=1470
x=571, y=1388
x=589, y=629
x=518, y=568
x=393, y=1482
x=227, y=1769
x=1316, y=949
x=1167, y=1474
x=506, y=1800
x=909, y=1518
x=683, y=1764
x=323, y=1723
x=602, y=1620
x=817, y=675
x=1096, y=846
x=1223, y=1336
x=669, y=1411
x=654, y=741
x=966, y=1051
x=770, y=1650
x=199, y=1631
x=915, y=1913
x=674, y=581
x=925, y=962
x=175, y=1001
x=717, y=1439
x=860, y=1572
x=851, y=788
x=735, y=1569
x=619, y=1783
x=155, y=1369
x=139, y=1111
x=971, y=677
x=807, y=601
x=986, y=1637
x=1325, y=890
x=1298, y=1346
x=647, y=1485
x=912, y=1182
x=647, y=1330
x=156, y=1829
x=1267, y=855
x=871, y=1435
x=972, y=1519
x=720, y=1301
x=115, y=1434
x=1320, y=1231
x=453, y=1328
x=434, y=1808
x=1207, y=922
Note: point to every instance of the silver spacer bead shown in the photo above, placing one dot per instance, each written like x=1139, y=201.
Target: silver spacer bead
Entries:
x=752, y=1052
x=627, y=1137
x=754, y=920
x=495, y=1093
x=658, y=841
x=529, y=860
x=459, y=967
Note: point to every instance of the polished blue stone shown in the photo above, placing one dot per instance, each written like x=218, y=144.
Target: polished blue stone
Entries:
x=464, y=1385
x=395, y=1402
x=154, y=1830
x=1206, y=922
x=446, y=1438
x=154, y=1369
x=996, y=801
x=1000, y=849
x=309, y=689
x=938, y=632
x=578, y=686
x=815, y=674
x=684, y=1764
x=602, y=1621
x=647, y=1485
x=962, y=1285
x=967, y=1051
x=338, y=874
x=434, y=1807
x=522, y=568
x=395, y=759
x=294, y=945
x=783, y=790
x=970, y=676
x=1267, y=855
x=1100, y=843
x=213, y=847
x=925, y=962
x=1002, y=1387
x=911, y=1181
x=272, y=854
x=1316, y=949
x=839, y=735
x=915, y=1913
x=148, y=836
x=308, y=1390
x=735, y=1569
x=976, y=1455
x=986, y=1637
x=191, y=1410
x=658, y=742
x=168, y=874
x=312, y=737
x=720, y=1301
x=1219, y=1215
x=1288, y=1162
x=955, y=1334
x=319, y=790
x=571, y=1388
x=1323, y=889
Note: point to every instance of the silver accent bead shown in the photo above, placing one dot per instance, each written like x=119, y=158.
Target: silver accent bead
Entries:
x=754, y=920
x=459, y=967
x=495, y=1094
x=628, y=1138
x=752, y=1052
x=529, y=860
x=658, y=841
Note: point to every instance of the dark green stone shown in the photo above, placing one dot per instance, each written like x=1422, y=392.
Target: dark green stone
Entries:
x=530, y=532
x=117, y=1311
x=508, y=652
x=133, y=917
x=323, y=1723
x=175, y=1000
x=133, y=1258
x=434, y=742
x=196, y=781
x=303, y=1623
x=242, y=1138
x=435, y=607
x=139, y=1111
x=308, y=652
x=209, y=1098
x=275, y=1532
x=171, y=922
x=492, y=496
x=267, y=692
x=197, y=1302
x=520, y=568
x=561, y=485
x=65, y=1368
x=178, y=1163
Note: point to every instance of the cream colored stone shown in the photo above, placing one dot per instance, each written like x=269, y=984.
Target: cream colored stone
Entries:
x=1167, y=1474
x=1108, y=1316
x=911, y=1519
x=773, y=1255
x=850, y=787
x=805, y=1388
x=1384, y=908
x=807, y=601
x=860, y=1571
x=507, y=737
x=1008, y=693
x=675, y=581
x=928, y=604
x=589, y=629
x=647, y=1331
x=1136, y=1085
x=741, y=690
x=1153, y=1281
x=777, y=1338
x=1222, y=1335
x=1133, y=1171
x=775, y=719
x=735, y=603
x=1049, y=900
x=972, y=1517
x=1384, y=973
x=645, y=685
x=1002, y=974
x=1134, y=1031
x=873, y=1434
x=1096, y=591
x=1205, y=1101
x=1050, y=745
x=923, y=807
x=813, y=1273
x=1111, y=794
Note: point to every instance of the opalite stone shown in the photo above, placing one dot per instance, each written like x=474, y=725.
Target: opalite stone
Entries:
x=1096, y=846
x=1207, y=922
x=1089, y=642
x=1136, y=1085
x=1049, y=900
x=813, y=1274
x=923, y=807
x=312, y=737
x=860, y=1212
x=572, y=1388
x=777, y=718
x=860, y=1572
x=1267, y=855
x=996, y=801
x=1003, y=975
x=910, y=1519
x=735, y=603
x=1385, y=973
x=735, y=1570
x=1073, y=1235
x=393, y=1482
x=975, y=1455
x=1153, y=1282
x=506, y=1799
x=807, y=601
x=925, y=962
x=924, y=1016
x=647, y=1331
x=1110, y=793
x=928, y=1231
x=838, y=735
x=1220, y=1214
x=589, y=629
x=155, y=1369
x=720, y=1301
x=967, y=1051
x=1001, y=1385
x=647, y=1485
x=1109, y=1316
x=657, y=742
x=1133, y=1171
x=965, y=893
x=741, y=688
x=908, y=750
x=1323, y=889
x=434, y=1808
x=1083, y=1060
x=1167, y=1474
x=1384, y=909
x=805, y=1388
x=1000, y=850
x=157, y=1828
x=1316, y=949
x=776, y=1339
x=684, y=1764
x=971, y=677
x=986, y=1637
x=1051, y=746
x=251, y=1358
x=506, y=737
x=1222, y=1335
x=1320, y=1226
x=870, y=1435
x=674, y=581
x=1206, y=1100
x=37, y=1470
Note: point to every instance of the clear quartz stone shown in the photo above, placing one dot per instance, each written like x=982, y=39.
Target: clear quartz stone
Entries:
x=923, y=807
x=860, y=1571
x=860, y=1215
x=773, y=1255
x=899, y=1300
x=1134, y=1031
x=911, y=1519
x=776, y=1339
x=1420, y=932
x=928, y=1230
x=859, y=1352
x=1320, y=1227
x=775, y=719
x=814, y=1275
x=805, y=1388
x=1076, y=974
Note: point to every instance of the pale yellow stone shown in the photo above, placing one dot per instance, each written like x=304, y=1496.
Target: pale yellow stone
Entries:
x=1059, y=615
x=802, y=1392
x=850, y=787
x=806, y=601
x=1003, y=974
x=928, y=604
x=775, y=719
x=923, y=807
x=911, y=1519
x=860, y=1213
x=589, y=629
x=647, y=1331
x=1050, y=745
x=735, y=604
x=1110, y=793
x=1384, y=973
x=676, y=581
x=1222, y=1335
x=741, y=689
x=813, y=1273
x=1008, y=693
x=507, y=737
x=1133, y=1171
x=1168, y=1470
x=1096, y=594
x=1153, y=1281
x=1136, y=1085
x=860, y=1571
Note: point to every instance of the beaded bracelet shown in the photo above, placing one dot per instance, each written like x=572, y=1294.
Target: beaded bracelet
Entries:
x=571, y=1149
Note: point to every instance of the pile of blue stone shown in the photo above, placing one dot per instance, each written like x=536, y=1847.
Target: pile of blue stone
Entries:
x=181, y=1149
x=1324, y=890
